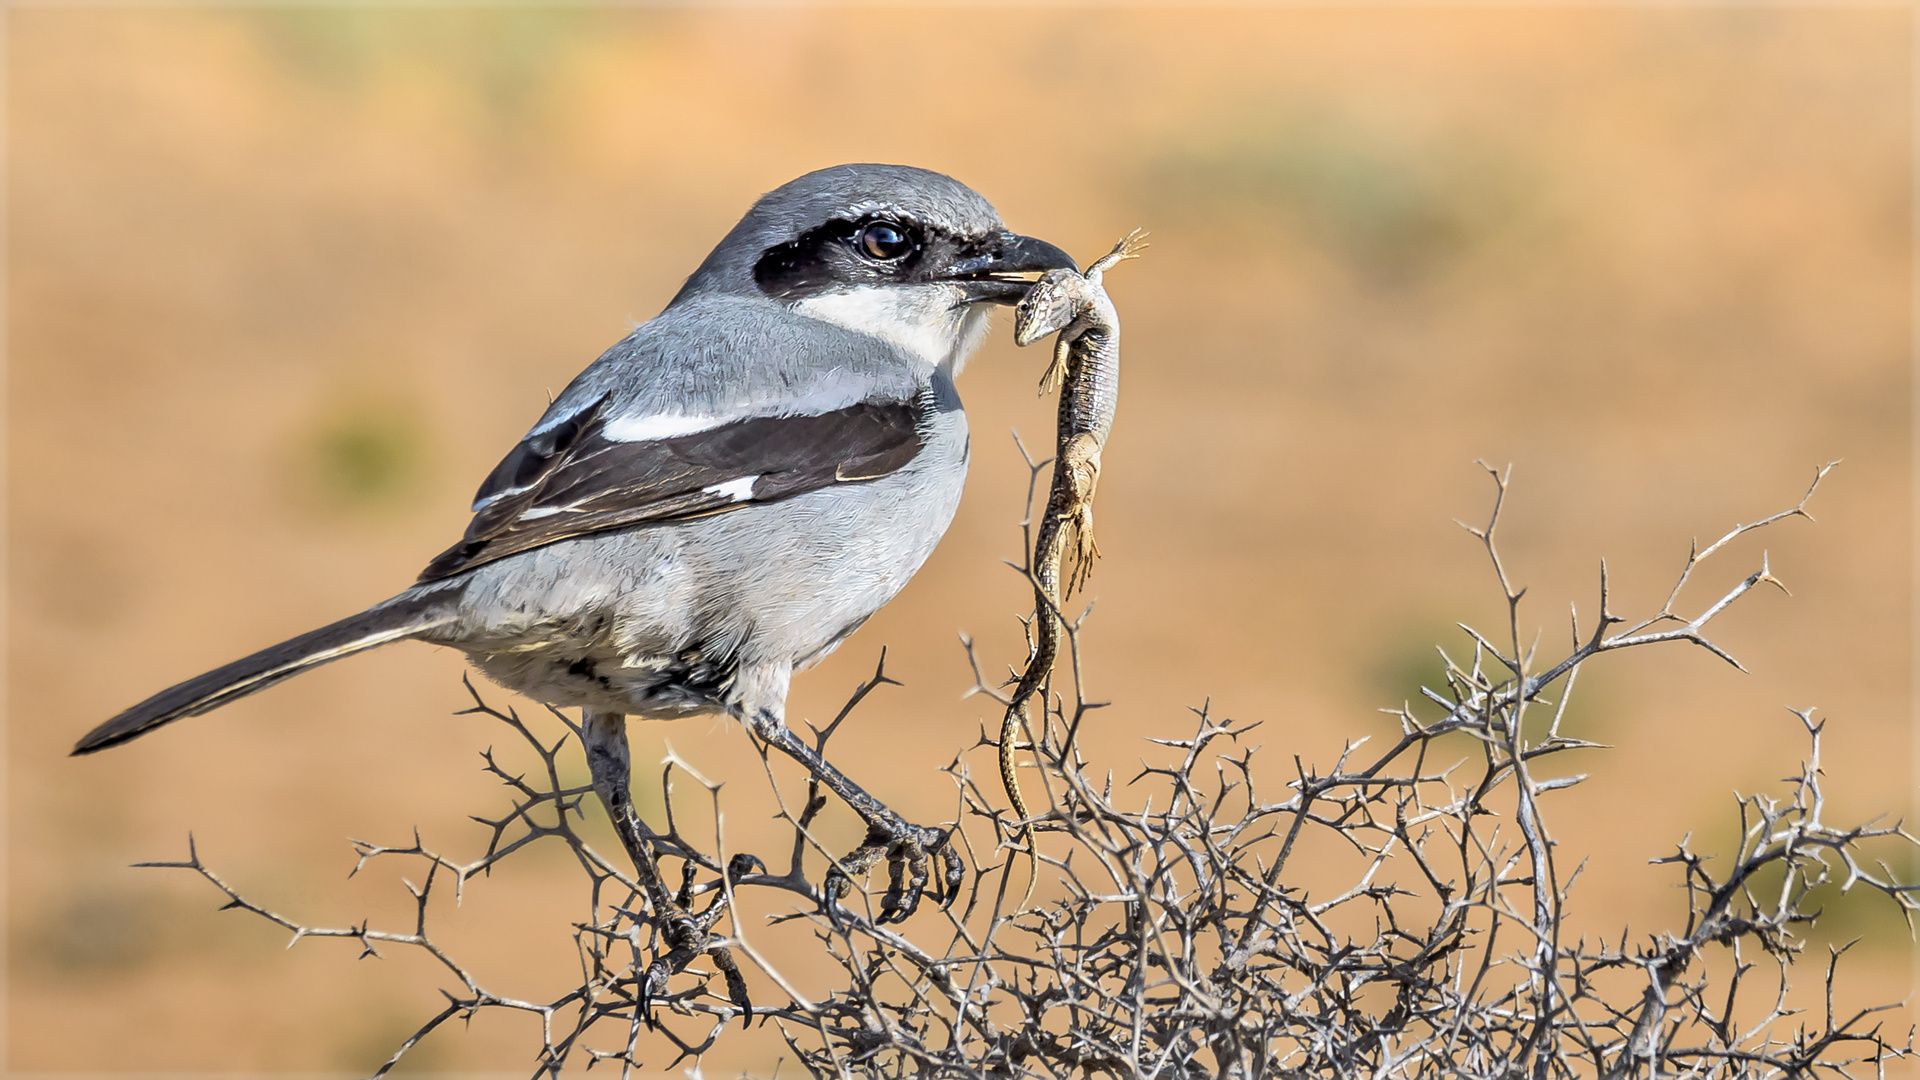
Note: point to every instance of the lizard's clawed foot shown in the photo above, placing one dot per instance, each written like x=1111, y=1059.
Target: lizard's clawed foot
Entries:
x=688, y=935
x=907, y=849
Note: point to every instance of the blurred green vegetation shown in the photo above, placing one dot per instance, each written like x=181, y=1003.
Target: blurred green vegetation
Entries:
x=507, y=56
x=91, y=932
x=101, y=930
x=365, y=450
x=1406, y=662
x=1861, y=915
x=1409, y=659
x=1394, y=208
x=369, y=1033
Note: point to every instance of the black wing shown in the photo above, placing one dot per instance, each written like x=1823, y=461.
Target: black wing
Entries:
x=572, y=480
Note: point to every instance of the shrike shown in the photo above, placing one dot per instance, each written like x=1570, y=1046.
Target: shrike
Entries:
x=723, y=496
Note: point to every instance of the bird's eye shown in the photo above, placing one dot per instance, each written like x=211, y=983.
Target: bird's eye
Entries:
x=885, y=241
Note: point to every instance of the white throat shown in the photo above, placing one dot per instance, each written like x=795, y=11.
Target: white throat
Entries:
x=932, y=322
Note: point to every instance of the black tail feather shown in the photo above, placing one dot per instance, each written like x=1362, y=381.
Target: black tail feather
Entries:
x=392, y=621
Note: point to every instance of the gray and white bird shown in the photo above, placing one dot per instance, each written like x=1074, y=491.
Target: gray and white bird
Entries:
x=726, y=494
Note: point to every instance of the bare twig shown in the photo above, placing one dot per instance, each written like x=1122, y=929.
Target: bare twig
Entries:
x=1177, y=941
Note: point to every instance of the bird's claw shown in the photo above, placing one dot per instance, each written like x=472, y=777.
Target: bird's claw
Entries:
x=654, y=982
x=953, y=874
x=906, y=849
x=687, y=936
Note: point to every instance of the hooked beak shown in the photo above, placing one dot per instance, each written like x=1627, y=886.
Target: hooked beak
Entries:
x=995, y=271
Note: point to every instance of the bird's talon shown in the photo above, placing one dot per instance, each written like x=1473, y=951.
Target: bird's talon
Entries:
x=687, y=871
x=651, y=985
x=681, y=931
x=736, y=984
x=953, y=875
x=906, y=849
x=687, y=936
x=836, y=887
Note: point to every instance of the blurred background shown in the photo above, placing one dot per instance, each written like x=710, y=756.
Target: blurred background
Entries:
x=284, y=284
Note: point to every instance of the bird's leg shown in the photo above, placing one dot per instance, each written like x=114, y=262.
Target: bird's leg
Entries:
x=610, y=761
x=905, y=846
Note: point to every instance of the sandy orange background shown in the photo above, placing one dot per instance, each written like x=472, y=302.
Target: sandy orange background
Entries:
x=284, y=284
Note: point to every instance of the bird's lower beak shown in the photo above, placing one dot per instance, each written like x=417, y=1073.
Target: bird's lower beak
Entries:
x=997, y=271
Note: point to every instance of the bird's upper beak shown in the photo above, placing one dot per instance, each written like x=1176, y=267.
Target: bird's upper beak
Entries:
x=995, y=271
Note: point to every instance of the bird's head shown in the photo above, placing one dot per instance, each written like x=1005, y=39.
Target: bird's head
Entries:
x=910, y=256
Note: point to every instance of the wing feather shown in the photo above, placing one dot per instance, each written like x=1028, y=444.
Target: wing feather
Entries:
x=571, y=480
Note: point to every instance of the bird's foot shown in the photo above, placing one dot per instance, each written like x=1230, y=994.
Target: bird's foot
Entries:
x=905, y=846
x=907, y=849
x=687, y=935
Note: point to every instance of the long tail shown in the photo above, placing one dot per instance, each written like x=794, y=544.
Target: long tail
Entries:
x=396, y=619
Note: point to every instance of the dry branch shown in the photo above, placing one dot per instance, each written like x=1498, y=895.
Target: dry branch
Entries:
x=1176, y=943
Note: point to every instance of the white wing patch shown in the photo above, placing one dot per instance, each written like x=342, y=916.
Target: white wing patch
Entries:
x=837, y=391
x=482, y=504
x=738, y=490
x=659, y=426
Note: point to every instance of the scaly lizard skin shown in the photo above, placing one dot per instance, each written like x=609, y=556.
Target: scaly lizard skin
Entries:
x=1086, y=367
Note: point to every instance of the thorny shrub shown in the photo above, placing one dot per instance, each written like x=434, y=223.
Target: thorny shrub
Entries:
x=1175, y=943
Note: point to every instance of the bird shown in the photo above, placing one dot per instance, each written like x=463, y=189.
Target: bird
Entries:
x=720, y=499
